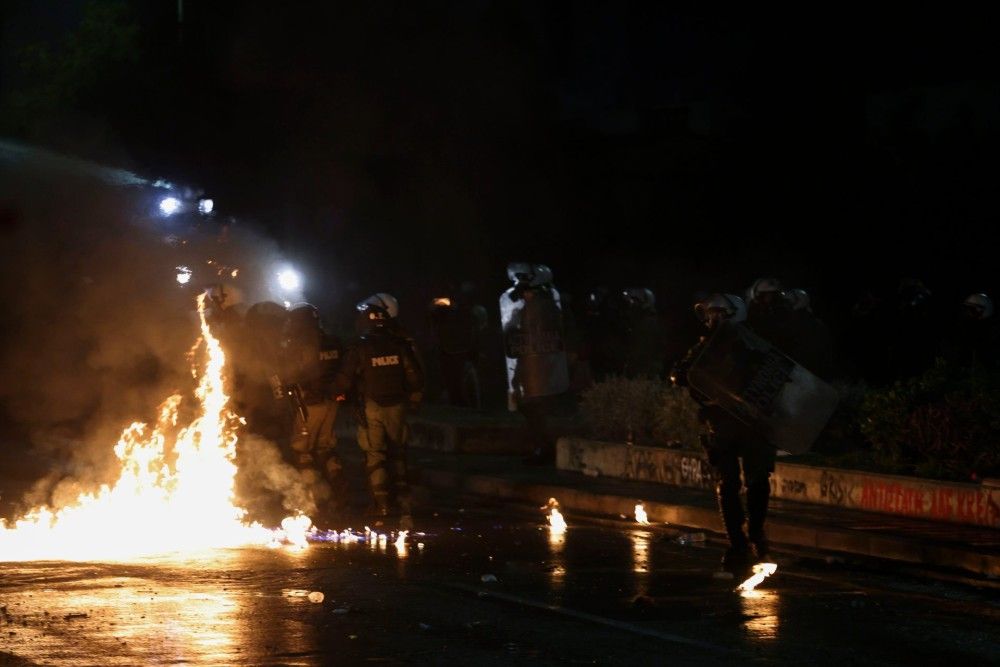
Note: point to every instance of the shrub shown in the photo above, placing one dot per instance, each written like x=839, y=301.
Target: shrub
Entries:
x=649, y=411
x=678, y=424
x=843, y=433
x=939, y=424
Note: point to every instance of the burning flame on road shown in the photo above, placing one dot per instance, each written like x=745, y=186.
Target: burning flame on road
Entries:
x=400, y=542
x=557, y=524
x=640, y=515
x=154, y=507
x=761, y=571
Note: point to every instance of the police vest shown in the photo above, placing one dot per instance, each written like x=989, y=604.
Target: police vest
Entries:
x=317, y=365
x=383, y=368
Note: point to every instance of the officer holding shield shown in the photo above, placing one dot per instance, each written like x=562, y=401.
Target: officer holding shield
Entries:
x=534, y=344
x=730, y=446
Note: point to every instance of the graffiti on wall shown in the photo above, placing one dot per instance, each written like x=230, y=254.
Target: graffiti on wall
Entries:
x=646, y=465
x=792, y=487
x=877, y=494
x=841, y=488
x=977, y=506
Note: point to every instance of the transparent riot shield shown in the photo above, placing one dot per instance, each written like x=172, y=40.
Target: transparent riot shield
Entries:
x=762, y=387
x=533, y=343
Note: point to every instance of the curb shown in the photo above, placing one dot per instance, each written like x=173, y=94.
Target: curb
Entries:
x=894, y=495
x=780, y=530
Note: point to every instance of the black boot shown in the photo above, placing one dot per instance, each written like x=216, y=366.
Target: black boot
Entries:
x=737, y=561
x=738, y=557
x=758, y=496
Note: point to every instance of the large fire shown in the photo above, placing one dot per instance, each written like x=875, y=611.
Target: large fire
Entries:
x=155, y=507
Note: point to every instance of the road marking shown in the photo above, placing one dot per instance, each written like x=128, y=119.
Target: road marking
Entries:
x=590, y=618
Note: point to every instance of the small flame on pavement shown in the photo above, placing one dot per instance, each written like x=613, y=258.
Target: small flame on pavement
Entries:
x=400, y=542
x=640, y=515
x=295, y=531
x=761, y=571
x=557, y=524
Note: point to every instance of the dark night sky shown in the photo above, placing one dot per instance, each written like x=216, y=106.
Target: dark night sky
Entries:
x=401, y=143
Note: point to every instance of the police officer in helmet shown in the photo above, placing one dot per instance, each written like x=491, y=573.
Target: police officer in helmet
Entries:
x=385, y=373
x=534, y=345
x=261, y=359
x=457, y=324
x=731, y=446
x=312, y=359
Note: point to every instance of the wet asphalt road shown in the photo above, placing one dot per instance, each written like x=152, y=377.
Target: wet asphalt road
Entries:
x=603, y=593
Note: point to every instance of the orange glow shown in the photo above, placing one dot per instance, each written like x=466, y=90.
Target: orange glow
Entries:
x=557, y=524
x=640, y=515
x=761, y=571
x=153, y=507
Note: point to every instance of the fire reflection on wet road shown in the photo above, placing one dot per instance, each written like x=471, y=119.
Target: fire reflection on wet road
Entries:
x=396, y=602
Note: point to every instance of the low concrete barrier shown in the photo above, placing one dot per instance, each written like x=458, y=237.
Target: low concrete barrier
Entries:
x=974, y=504
x=461, y=439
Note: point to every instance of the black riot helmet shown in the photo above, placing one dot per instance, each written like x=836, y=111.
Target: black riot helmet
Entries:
x=767, y=294
x=978, y=307
x=372, y=317
x=266, y=314
x=303, y=315
x=913, y=296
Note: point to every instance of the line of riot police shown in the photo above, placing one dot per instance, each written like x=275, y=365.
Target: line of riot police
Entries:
x=289, y=375
x=897, y=335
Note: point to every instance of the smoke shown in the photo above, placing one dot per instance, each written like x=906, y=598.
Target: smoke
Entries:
x=96, y=329
x=263, y=475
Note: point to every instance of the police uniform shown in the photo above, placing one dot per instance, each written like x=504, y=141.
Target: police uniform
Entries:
x=730, y=445
x=384, y=371
x=537, y=366
x=316, y=363
x=258, y=359
x=457, y=334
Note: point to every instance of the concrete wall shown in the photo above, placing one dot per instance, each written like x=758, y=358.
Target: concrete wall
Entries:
x=975, y=504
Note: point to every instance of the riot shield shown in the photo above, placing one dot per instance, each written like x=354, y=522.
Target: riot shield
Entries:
x=533, y=343
x=764, y=388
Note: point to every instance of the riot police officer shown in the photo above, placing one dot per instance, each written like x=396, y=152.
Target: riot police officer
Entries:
x=973, y=338
x=457, y=326
x=312, y=358
x=915, y=332
x=644, y=349
x=770, y=314
x=261, y=360
x=534, y=344
x=730, y=445
x=814, y=347
x=785, y=319
x=223, y=312
x=385, y=373
x=606, y=344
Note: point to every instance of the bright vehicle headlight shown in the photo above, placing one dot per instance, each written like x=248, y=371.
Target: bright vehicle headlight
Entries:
x=289, y=280
x=169, y=205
